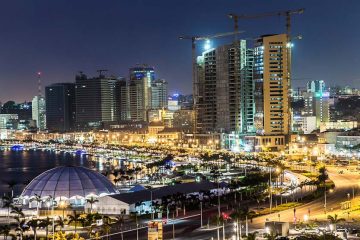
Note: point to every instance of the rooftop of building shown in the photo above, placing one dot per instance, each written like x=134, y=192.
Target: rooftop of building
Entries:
x=145, y=195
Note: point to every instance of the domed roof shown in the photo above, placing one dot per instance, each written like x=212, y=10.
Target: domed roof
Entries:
x=69, y=182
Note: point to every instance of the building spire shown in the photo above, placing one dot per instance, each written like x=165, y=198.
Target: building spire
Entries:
x=39, y=83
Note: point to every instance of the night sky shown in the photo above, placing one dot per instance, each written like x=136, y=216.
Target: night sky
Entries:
x=62, y=37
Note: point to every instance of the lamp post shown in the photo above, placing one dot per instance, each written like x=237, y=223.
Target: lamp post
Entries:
x=173, y=226
x=201, y=214
x=270, y=191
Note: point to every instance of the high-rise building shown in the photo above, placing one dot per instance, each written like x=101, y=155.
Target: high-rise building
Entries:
x=122, y=100
x=159, y=94
x=316, y=86
x=271, y=76
x=317, y=101
x=225, y=89
x=60, y=107
x=95, y=101
x=139, y=90
x=39, y=112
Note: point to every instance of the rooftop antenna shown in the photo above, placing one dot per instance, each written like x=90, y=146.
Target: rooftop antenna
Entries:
x=39, y=83
x=101, y=71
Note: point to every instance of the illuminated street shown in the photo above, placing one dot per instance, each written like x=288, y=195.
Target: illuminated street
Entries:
x=179, y=120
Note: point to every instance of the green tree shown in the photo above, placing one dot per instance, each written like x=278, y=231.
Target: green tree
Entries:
x=5, y=230
x=271, y=236
x=8, y=203
x=252, y=236
x=74, y=218
x=11, y=184
x=45, y=223
x=334, y=220
x=38, y=200
x=91, y=201
x=18, y=211
x=60, y=222
x=20, y=226
x=120, y=220
x=106, y=227
x=34, y=224
x=323, y=176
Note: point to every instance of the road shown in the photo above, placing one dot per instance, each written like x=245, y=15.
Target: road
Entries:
x=190, y=228
x=344, y=184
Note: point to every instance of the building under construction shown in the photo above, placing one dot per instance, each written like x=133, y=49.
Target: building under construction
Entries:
x=226, y=87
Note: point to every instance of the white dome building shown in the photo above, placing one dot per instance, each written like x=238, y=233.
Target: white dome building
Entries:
x=68, y=183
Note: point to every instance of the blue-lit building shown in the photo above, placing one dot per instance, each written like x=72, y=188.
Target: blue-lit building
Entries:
x=60, y=107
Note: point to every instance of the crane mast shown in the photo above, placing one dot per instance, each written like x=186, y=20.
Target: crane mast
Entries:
x=193, y=40
x=287, y=14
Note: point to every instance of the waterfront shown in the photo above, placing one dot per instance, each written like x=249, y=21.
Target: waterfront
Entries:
x=23, y=166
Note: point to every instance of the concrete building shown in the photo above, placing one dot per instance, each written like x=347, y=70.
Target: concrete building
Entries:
x=140, y=201
x=344, y=125
x=60, y=107
x=39, y=112
x=122, y=100
x=95, y=101
x=7, y=120
x=141, y=79
x=224, y=95
x=317, y=102
x=159, y=94
x=303, y=124
x=348, y=142
x=271, y=76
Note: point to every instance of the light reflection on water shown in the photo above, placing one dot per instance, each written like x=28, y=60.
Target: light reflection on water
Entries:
x=23, y=166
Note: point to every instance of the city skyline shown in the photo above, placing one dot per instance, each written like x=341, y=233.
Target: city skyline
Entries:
x=62, y=38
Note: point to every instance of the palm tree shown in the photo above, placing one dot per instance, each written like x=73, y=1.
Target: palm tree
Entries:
x=251, y=236
x=74, y=218
x=5, y=230
x=18, y=211
x=60, y=222
x=20, y=226
x=116, y=180
x=8, y=203
x=91, y=201
x=45, y=223
x=334, y=220
x=91, y=231
x=120, y=220
x=106, y=227
x=11, y=184
x=271, y=236
x=38, y=200
x=34, y=224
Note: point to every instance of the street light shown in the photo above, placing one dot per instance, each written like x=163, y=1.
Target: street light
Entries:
x=306, y=218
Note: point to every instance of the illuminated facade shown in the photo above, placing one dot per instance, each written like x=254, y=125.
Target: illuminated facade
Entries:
x=316, y=101
x=225, y=91
x=141, y=79
x=95, y=101
x=39, y=112
x=159, y=94
x=271, y=77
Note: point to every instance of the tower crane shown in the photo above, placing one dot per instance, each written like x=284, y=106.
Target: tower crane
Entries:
x=287, y=14
x=193, y=40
